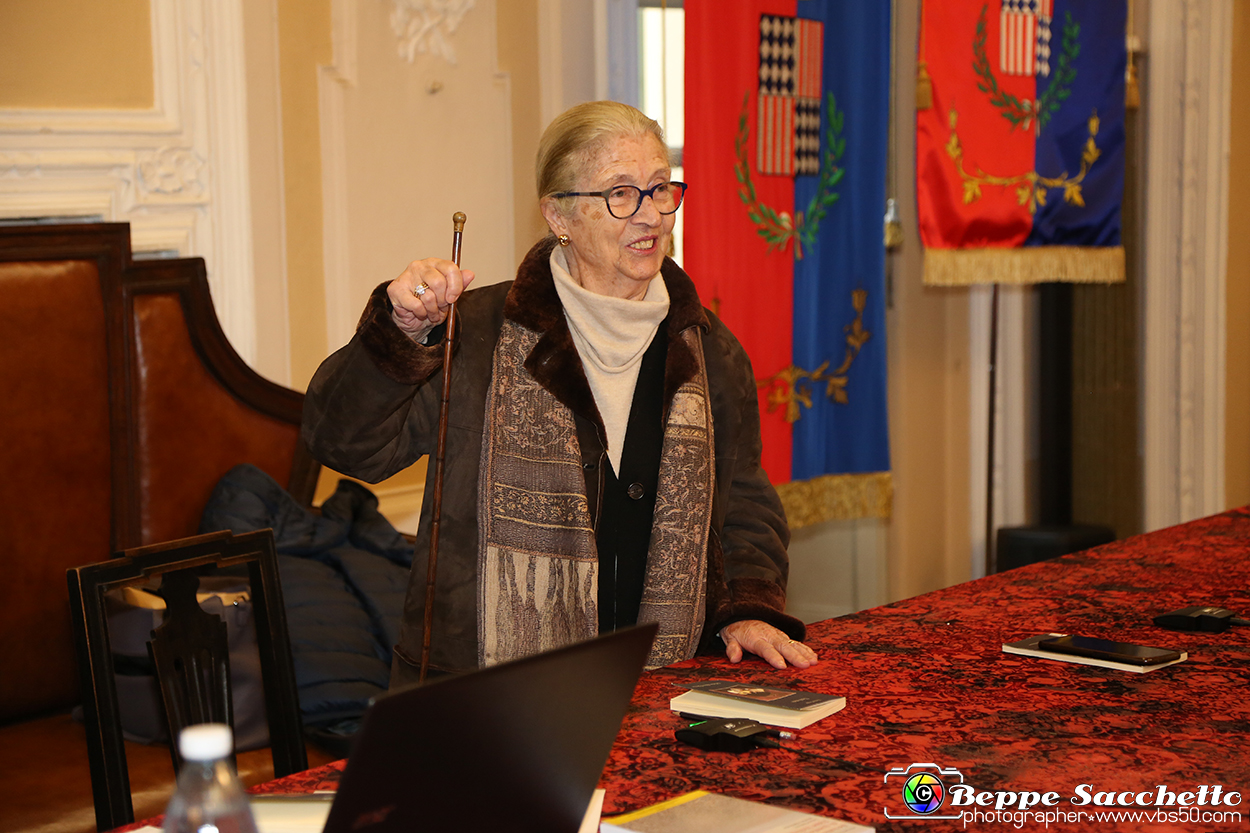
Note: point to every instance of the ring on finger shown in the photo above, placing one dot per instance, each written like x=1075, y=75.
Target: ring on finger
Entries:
x=420, y=289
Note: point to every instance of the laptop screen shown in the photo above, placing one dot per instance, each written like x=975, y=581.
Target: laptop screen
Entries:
x=518, y=746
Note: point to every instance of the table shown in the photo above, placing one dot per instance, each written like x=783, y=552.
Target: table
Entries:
x=926, y=682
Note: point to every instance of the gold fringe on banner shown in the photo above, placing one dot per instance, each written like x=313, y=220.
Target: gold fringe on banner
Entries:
x=837, y=497
x=1035, y=264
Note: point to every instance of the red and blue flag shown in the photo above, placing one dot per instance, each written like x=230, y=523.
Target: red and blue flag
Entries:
x=1020, y=152
x=787, y=112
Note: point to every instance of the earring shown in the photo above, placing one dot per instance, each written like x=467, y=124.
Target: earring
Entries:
x=564, y=239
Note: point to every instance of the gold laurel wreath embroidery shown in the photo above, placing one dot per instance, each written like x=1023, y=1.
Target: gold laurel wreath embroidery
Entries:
x=777, y=228
x=1032, y=185
x=1025, y=113
x=791, y=387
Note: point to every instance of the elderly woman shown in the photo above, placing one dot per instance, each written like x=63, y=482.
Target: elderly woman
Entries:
x=603, y=445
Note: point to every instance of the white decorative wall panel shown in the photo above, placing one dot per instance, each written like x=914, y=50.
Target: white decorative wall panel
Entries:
x=404, y=146
x=177, y=172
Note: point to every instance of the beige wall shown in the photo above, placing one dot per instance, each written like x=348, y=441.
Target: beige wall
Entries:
x=518, y=56
x=75, y=54
x=267, y=183
x=927, y=327
x=303, y=45
x=410, y=135
x=1237, y=359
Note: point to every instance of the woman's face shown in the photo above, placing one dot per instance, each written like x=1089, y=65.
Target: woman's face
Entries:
x=606, y=255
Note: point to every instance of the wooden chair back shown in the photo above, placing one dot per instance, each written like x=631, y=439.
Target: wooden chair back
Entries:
x=122, y=404
x=190, y=654
x=191, y=660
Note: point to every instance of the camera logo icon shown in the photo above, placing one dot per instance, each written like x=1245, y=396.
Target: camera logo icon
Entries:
x=923, y=788
x=923, y=793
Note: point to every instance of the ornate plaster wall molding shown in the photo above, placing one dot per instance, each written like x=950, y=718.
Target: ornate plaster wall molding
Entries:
x=171, y=172
x=426, y=26
x=177, y=172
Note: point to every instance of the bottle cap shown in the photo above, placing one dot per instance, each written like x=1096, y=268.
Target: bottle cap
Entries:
x=206, y=742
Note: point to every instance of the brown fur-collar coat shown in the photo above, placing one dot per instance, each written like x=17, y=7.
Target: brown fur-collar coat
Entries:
x=373, y=407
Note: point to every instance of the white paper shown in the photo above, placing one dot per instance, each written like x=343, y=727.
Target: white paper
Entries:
x=715, y=813
x=590, y=822
x=297, y=814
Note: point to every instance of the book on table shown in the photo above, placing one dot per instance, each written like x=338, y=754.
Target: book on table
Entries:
x=704, y=812
x=774, y=706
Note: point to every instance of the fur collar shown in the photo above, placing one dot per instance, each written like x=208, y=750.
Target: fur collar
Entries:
x=554, y=363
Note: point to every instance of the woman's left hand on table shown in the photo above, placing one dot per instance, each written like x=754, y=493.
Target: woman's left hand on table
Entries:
x=766, y=642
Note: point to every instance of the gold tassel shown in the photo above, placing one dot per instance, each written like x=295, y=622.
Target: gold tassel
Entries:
x=893, y=226
x=924, y=87
x=1132, y=95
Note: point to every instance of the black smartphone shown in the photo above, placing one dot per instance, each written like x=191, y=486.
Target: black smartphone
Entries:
x=1086, y=646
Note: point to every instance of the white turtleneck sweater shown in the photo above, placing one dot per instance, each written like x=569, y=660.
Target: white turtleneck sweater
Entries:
x=611, y=335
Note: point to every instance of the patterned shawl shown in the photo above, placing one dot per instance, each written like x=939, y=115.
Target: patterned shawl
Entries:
x=538, y=566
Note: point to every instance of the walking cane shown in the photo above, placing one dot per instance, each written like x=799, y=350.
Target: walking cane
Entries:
x=436, y=508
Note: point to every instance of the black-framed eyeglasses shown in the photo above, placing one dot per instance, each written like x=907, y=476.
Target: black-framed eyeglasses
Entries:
x=625, y=200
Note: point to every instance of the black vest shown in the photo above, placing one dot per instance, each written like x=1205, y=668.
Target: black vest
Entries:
x=623, y=533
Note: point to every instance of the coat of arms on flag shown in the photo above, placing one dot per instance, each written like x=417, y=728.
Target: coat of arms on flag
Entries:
x=788, y=128
x=1024, y=40
x=1020, y=154
x=785, y=239
x=789, y=95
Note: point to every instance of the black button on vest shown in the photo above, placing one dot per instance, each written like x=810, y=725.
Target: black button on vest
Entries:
x=628, y=500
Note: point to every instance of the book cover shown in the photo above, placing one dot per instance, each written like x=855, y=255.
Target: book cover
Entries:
x=704, y=812
x=773, y=706
x=781, y=698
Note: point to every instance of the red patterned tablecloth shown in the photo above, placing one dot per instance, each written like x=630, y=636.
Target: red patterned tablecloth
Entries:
x=926, y=682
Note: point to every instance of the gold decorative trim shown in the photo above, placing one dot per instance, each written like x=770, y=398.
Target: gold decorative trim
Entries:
x=791, y=386
x=1031, y=187
x=837, y=497
x=1034, y=264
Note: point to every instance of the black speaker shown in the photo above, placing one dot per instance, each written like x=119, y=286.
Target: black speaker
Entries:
x=1020, y=545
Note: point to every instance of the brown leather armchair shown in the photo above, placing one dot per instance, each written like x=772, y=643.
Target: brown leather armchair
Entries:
x=121, y=405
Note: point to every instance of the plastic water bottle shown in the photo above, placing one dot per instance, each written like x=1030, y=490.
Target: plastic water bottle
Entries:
x=209, y=797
